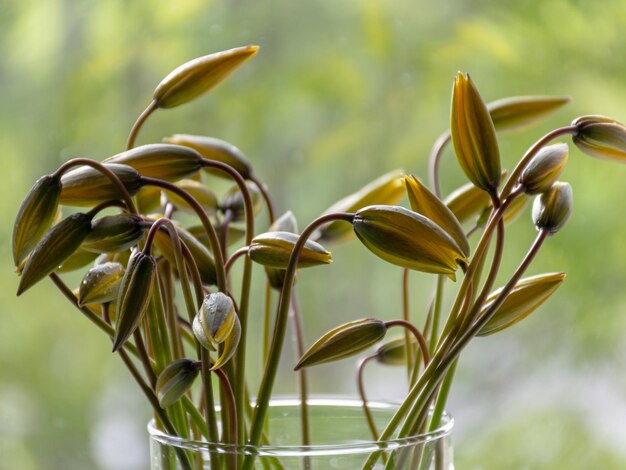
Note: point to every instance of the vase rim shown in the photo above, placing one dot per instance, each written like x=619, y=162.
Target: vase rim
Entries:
x=352, y=446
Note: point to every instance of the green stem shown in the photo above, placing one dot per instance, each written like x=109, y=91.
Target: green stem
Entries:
x=434, y=331
x=434, y=160
x=361, y=388
x=406, y=316
x=139, y=124
x=231, y=410
x=266, y=197
x=267, y=319
x=271, y=367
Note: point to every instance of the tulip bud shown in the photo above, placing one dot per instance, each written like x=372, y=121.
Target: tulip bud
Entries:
x=114, y=233
x=86, y=186
x=424, y=202
x=527, y=295
x=175, y=380
x=216, y=318
x=522, y=111
x=230, y=345
x=217, y=150
x=285, y=223
x=407, y=239
x=134, y=296
x=474, y=135
x=35, y=216
x=148, y=199
x=77, y=260
x=205, y=197
x=467, y=201
x=54, y=248
x=344, y=341
x=163, y=161
x=233, y=201
x=101, y=284
x=193, y=78
x=553, y=208
x=544, y=169
x=393, y=353
x=387, y=189
x=274, y=249
x=601, y=137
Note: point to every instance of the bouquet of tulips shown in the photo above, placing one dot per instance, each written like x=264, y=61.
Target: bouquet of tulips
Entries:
x=161, y=287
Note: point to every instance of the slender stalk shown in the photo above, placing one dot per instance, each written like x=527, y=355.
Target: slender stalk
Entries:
x=267, y=319
x=139, y=124
x=234, y=257
x=105, y=171
x=421, y=341
x=271, y=367
x=195, y=415
x=406, y=316
x=434, y=332
x=266, y=197
x=231, y=408
x=145, y=359
x=434, y=160
x=361, y=388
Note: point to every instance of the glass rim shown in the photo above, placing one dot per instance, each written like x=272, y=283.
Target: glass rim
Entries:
x=345, y=447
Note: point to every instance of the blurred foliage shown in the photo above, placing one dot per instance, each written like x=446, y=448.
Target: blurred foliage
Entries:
x=340, y=93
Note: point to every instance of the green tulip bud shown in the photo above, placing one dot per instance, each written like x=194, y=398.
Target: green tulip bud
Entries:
x=544, y=169
x=344, y=341
x=54, y=248
x=230, y=345
x=101, y=284
x=233, y=201
x=274, y=249
x=601, y=137
x=175, y=380
x=193, y=78
x=216, y=319
x=518, y=112
x=285, y=223
x=527, y=295
x=133, y=296
x=407, y=239
x=474, y=135
x=205, y=197
x=114, y=233
x=35, y=216
x=553, y=208
x=393, y=353
x=80, y=258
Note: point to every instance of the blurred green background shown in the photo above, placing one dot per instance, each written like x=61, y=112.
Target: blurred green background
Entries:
x=339, y=93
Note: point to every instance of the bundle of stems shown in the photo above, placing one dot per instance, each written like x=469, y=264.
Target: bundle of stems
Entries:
x=158, y=245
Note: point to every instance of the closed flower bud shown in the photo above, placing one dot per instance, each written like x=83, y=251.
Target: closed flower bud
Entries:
x=274, y=249
x=216, y=318
x=553, y=208
x=163, y=161
x=175, y=380
x=133, y=296
x=522, y=111
x=393, y=353
x=233, y=202
x=35, y=216
x=148, y=199
x=285, y=223
x=467, y=201
x=86, y=186
x=387, y=189
x=407, y=239
x=77, y=260
x=424, y=202
x=527, y=295
x=217, y=150
x=101, y=284
x=344, y=341
x=601, y=137
x=193, y=78
x=544, y=169
x=54, y=248
x=205, y=197
x=114, y=233
x=474, y=135
x=230, y=345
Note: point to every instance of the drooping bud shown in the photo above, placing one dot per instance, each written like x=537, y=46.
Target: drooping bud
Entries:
x=193, y=78
x=274, y=249
x=424, y=202
x=216, y=318
x=35, y=216
x=101, y=284
x=148, y=199
x=474, y=135
x=344, y=341
x=467, y=201
x=393, y=353
x=233, y=202
x=205, y=197
x=114, y=233
x=544, y=169
x=77, y=260
x=87, y=186
x=133, y=296
x=230, y=345
x=163, y=161
x=285, y=223
x=527, y=295
x=407, y=239
x=54, y=248
x=387, y=189
x=601, y=137
x=518, y=112
x=553, y=208
x=215, y=149
x=175, y=380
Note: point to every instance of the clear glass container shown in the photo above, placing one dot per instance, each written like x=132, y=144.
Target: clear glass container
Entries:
x=341, y=439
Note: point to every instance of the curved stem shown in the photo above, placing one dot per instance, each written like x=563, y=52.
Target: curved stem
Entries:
x=234, y=257
x=434, y=160
x=298, y=336
x=139, y=124
x=421, y=341
x=266, y=197
x=105, y=205
x=361, y=387
x=271, y=366
x=106, y=172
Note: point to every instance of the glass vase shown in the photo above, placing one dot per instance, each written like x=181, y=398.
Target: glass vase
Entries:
x=341, y=439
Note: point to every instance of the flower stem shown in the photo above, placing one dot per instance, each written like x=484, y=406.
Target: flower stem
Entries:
x=139, y=124
x=434, y=160
x=406, y=316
